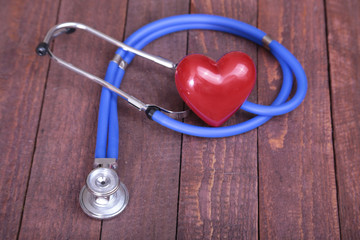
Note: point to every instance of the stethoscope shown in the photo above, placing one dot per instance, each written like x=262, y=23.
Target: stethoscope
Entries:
x=104, y=195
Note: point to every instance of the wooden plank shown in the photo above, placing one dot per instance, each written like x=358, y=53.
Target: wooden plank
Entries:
x=66, y=139
x=344, y=46
x=149, y=154
x=218, y=191
x=22, y=80
x=296, y=162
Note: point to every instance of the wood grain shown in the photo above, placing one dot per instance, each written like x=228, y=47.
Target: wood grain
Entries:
x=48, y=127
x=218, y=197
x=66, y=139
x=296, y=162
x=22, y=79
x=149, y=153
x=344, y=46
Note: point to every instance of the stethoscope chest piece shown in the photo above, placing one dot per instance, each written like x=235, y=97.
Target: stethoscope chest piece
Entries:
x=103, y=196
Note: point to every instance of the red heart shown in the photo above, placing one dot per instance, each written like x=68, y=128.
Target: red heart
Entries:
x=215, y=90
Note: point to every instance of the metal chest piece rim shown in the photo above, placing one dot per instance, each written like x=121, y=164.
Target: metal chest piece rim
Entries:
x=104, y=196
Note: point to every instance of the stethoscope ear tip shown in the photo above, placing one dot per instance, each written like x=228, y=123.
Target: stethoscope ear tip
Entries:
x=42, y=49
x=104, y=196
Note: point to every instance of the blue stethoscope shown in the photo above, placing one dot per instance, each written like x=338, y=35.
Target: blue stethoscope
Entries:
x=104, y=195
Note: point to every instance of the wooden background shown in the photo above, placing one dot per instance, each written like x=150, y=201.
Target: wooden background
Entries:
x=296, y=177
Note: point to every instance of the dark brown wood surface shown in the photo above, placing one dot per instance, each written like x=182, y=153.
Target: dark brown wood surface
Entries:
x=296, y=177
x=297, y=186
x=23, y=77
x=344, y=63
x=218, y=185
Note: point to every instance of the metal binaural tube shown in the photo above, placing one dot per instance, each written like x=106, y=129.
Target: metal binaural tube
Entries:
x=73, y=25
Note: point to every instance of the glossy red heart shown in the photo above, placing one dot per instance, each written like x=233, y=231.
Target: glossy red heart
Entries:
x=215, y=90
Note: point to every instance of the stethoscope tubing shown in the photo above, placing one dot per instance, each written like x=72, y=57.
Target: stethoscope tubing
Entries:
x=108, y=122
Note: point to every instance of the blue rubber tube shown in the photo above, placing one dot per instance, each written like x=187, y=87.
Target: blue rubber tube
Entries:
x=162, y=27
x=258, y=109
x=103, y=117
x=113, y=143
x=247, y=106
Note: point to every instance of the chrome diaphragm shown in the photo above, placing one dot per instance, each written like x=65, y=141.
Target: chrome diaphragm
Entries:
x=104, y=195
